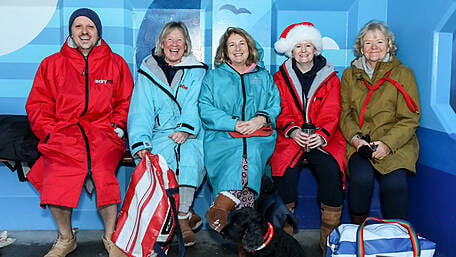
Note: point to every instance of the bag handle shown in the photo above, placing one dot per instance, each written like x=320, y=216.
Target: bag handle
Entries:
x=180, y=239
x=157, y=248
x=170, y=193
x=360, y=252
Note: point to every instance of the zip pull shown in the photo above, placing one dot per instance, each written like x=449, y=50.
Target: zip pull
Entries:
x=86, y=59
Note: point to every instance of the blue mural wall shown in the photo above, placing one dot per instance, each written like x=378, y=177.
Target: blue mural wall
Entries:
x=426, y=45
x=130, y=27
x=38, y=30
x=453, y=76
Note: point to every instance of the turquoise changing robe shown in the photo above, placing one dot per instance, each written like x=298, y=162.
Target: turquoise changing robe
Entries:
x=225, y=97
x=158, y=109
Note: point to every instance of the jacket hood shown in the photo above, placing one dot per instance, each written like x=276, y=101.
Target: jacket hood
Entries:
x=100, y=50
x=151, y=66
x=321, y=75
x=380, y=69
x=260, y=55
x=187, y=62
x=190, y=61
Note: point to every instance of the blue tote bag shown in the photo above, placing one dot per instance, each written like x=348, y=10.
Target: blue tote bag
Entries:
x=385, y=238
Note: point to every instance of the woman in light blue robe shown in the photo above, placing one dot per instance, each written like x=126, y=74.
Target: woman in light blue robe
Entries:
x=163, y=117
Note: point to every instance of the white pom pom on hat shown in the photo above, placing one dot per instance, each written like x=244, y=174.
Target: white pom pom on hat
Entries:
x=295, y=33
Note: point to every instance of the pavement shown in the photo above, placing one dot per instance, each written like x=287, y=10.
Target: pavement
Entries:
x=37, y=243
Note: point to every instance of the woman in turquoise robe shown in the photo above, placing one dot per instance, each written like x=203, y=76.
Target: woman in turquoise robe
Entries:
x=240, y=96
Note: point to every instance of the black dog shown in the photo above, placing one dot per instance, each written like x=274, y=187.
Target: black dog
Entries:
x=260, y=238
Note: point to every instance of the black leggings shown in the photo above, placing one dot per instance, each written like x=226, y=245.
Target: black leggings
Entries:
x=327, y=171
x=393, y=189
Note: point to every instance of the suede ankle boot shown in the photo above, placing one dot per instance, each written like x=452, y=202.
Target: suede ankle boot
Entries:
x=195, y=220
x=217, y=214
x=187, y=232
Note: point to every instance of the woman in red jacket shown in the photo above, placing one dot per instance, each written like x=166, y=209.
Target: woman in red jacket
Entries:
x=310, y=95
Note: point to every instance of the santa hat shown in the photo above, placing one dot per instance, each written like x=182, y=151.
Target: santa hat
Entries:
x=295, y=33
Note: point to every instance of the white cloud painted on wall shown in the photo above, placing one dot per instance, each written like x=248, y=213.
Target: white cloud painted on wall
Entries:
x=329, y=43
x=22, y=20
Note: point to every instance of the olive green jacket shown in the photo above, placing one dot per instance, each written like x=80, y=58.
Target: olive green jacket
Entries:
x=387, y=117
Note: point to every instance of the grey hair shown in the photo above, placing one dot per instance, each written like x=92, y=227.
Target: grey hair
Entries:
x=168, y=28
x=374, y=25
x=221, y=55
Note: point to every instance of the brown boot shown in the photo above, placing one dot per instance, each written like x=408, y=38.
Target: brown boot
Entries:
x=187, y=232
x=217, y=214
x=62, y=248
x=330, y=219
x=357, y=219
x=111, y=248
x=195, y=221
x=288, y=227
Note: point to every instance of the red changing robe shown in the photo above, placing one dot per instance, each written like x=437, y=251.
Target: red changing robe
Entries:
x=73, y=107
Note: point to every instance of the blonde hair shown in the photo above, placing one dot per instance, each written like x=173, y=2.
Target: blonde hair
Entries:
x=374, y=25
x=221, y=55
x=168, y=28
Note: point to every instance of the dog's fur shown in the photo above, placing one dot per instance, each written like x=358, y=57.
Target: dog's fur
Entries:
x=249, y=227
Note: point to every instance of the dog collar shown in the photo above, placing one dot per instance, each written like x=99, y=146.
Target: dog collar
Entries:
x=267, y=238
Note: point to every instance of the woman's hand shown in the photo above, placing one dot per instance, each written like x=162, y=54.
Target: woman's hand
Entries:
x=358, y=142
x=299, y=137
x=179, y=137
x=141, y=153
x=313, y=141
x=250, y=126
x=381, y=151
x=238, y=126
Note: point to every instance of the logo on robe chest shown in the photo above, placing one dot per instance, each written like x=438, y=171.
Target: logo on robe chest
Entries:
x=103, y=82
x=184, y=87
x=255, y=80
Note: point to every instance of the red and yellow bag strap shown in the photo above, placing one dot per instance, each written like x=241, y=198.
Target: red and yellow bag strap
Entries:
x=360, y=252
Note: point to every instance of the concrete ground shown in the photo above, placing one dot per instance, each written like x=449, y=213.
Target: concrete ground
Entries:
x=209, y=244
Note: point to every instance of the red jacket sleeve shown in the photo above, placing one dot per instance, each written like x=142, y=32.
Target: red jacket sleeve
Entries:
x=122, y=97
x=40, y=104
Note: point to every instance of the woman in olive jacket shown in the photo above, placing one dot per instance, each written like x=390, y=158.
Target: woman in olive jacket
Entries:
x=379, y=118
